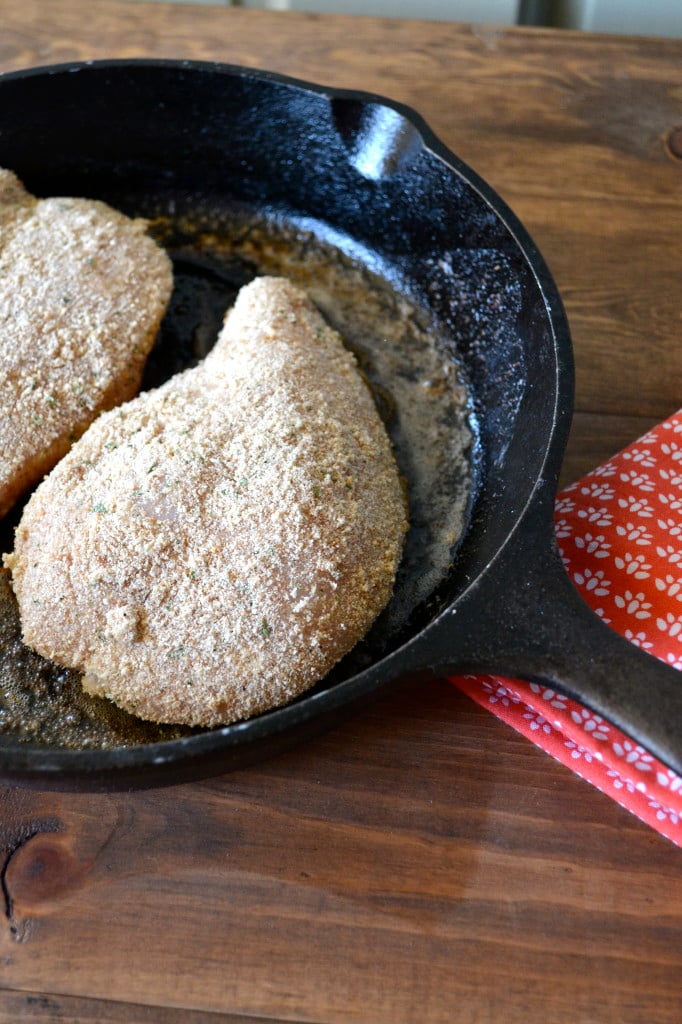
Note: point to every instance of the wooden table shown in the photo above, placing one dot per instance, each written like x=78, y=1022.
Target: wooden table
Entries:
x=422, y=863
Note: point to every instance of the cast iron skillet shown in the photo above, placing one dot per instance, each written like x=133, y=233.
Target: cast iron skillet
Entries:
x=371, y=175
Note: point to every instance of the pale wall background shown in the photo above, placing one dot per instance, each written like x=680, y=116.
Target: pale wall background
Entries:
x=639, y=17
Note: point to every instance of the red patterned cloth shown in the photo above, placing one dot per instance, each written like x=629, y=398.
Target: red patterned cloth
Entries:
x=620, y=534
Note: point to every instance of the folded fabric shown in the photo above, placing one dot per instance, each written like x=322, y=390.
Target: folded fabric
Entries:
x=619, y=530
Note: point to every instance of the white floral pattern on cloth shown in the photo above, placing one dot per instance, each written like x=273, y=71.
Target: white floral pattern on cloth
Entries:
x=619, y=531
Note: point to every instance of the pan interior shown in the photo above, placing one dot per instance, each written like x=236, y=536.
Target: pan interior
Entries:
x=412, y=365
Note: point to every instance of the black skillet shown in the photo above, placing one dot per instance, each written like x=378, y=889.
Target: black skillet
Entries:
x=368, y=176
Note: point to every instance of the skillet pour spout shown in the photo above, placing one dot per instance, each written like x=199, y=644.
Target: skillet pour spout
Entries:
x=215, y=151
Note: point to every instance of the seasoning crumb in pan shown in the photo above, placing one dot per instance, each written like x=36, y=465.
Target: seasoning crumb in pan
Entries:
x=220, y=542
x=83, y=289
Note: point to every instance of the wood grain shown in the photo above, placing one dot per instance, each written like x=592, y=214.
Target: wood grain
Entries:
x=37, y=1008
x=595, y=437
x=392, y=870
x=421, y=862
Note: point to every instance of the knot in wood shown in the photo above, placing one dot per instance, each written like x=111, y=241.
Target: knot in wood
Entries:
x=40, y=871
x=673, y=142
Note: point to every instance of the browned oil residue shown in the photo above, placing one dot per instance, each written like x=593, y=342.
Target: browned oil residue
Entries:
x=418, y=391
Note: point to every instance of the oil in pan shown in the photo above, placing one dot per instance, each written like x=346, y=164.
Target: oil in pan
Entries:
x=419, y=391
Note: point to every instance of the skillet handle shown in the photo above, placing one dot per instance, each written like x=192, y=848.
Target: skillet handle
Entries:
x=524, y=618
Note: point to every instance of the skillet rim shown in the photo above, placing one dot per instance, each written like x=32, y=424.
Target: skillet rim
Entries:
x=37, y=765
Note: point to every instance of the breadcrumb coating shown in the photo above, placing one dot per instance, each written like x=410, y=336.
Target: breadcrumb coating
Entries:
x=212, y=548
x=83, y=290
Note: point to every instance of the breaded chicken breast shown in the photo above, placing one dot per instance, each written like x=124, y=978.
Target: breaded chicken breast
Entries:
x=212, y=548
x=82, y=293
